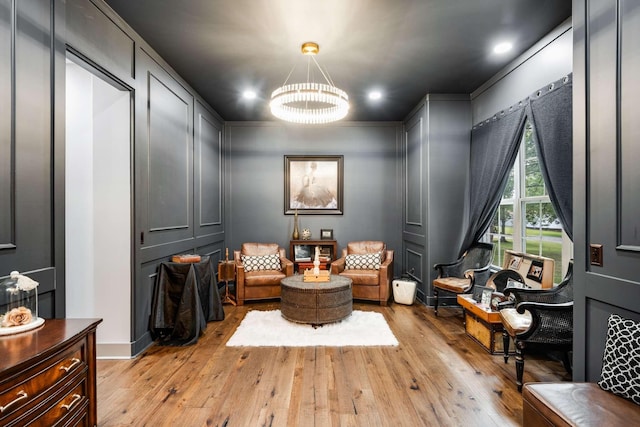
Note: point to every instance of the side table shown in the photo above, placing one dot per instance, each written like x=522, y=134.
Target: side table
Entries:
x=482, y=324
x=226, y=274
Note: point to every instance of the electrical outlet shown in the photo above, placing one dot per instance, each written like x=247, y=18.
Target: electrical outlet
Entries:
x=595, y=254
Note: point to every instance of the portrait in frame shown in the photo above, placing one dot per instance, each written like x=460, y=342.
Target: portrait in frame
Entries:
x=313, y=185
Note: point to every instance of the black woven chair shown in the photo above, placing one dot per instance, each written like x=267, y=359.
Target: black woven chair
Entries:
x=460, y=276
x=540, y=317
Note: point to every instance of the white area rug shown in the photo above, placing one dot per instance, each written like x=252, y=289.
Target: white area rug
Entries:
x=270, y=329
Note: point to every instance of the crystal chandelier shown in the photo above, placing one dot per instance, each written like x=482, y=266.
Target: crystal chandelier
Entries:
x=310, y=102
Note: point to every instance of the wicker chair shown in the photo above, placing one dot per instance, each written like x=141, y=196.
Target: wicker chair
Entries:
x=540, y=317
x=471, y=269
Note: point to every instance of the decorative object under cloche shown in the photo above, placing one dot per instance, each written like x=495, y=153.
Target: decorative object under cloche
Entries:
x=18, y=304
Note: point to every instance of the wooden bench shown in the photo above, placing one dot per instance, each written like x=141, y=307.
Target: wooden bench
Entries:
x=575, y=404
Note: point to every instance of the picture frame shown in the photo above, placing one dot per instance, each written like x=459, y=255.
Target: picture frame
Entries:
x=478, y=293
x=313, y=185
x=486, y=297
x=326, y=234
x=302, y=252
x=514, y=263
x=535, y=271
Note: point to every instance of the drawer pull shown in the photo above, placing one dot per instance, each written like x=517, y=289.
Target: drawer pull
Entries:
x=76, y=398
x=21, y=395
x=74, y=362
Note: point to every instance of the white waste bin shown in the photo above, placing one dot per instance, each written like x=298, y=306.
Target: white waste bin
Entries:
x=404, y=291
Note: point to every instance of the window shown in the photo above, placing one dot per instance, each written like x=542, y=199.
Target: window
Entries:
x=526, y=221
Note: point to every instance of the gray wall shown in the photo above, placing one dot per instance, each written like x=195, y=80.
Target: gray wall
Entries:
x=547, y=61
x=606, y=196
x=436, y=169
x=26, y=148
x=177, y=203
x=255, y=181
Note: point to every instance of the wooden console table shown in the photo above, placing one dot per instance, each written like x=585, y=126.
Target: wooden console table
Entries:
x=328, y=247
x=48, y=375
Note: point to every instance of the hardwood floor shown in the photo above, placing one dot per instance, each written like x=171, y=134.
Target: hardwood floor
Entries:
x=436, y=376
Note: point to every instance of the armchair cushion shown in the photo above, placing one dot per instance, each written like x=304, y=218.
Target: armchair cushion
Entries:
x=363, y=261
x=261, y=262
x=621, y=364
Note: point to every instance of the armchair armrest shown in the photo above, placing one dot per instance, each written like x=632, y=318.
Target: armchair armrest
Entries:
x=535, y=295
x=337, y=266
x=478, y=276
x=550, y=323
x=287, y=266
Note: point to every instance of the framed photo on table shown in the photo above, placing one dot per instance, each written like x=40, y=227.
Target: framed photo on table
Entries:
x=479, y=293
x=313, y=185
x=326, y=234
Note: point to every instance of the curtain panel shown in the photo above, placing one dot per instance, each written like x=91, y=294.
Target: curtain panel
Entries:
x=494, y=147
x=550, y=111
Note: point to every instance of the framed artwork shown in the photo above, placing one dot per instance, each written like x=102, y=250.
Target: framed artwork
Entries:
x=313, y=185
x=302, y=253
x=514, y=264
x=479, y=291
x=486, y=297
x=535, y=271
x=326, y=234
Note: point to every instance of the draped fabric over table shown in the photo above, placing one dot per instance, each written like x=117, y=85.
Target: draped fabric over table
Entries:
x=185, y=298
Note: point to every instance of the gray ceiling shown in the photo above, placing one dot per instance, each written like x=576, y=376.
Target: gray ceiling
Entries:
x=407, y=48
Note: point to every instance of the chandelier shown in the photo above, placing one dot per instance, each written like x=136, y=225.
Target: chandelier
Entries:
x=310, y=102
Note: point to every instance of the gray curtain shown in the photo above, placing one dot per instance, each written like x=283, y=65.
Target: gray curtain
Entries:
x=494, y=146
x=550, y=112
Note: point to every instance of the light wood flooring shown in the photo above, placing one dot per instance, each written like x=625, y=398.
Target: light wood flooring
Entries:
x=436, y=376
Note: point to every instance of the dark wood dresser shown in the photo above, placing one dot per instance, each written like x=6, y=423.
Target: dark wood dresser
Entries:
x=48, y=375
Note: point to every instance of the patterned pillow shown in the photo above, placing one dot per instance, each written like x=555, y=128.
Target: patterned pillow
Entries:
x=362, y=262
x=261, y=262
x=621, y=363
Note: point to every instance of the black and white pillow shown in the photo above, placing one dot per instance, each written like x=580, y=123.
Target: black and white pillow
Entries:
x=261, y=262
x=362, y=262
x=621, y=362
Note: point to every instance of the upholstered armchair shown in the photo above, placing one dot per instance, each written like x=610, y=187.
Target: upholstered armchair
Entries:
x=259, y=269
x=540, y=317
x=471, y=269
x=369, y=265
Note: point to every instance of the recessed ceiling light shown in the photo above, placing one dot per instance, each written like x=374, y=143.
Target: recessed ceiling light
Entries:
x=249, y=94
x=502, y=47
x=374, y=95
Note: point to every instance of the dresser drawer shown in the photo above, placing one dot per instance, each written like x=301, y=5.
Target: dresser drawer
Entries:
x=72, y=404
x=32, y=385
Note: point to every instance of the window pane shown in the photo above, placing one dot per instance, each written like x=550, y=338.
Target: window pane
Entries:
x=509, y=189
x=543, y=234
x=533, y=180
x=502, y=232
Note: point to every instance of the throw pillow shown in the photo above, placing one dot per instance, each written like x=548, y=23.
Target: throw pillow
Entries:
x=362, y=262
x=261, y=262
x=621, y=363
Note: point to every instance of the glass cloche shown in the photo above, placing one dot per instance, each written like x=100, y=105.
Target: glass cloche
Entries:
x=18, y=303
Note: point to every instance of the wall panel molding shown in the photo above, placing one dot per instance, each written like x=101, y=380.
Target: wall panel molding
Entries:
x=169, y=157
x=7, y=128
x=627, y=131
x=413, y=173
x=208, y=171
